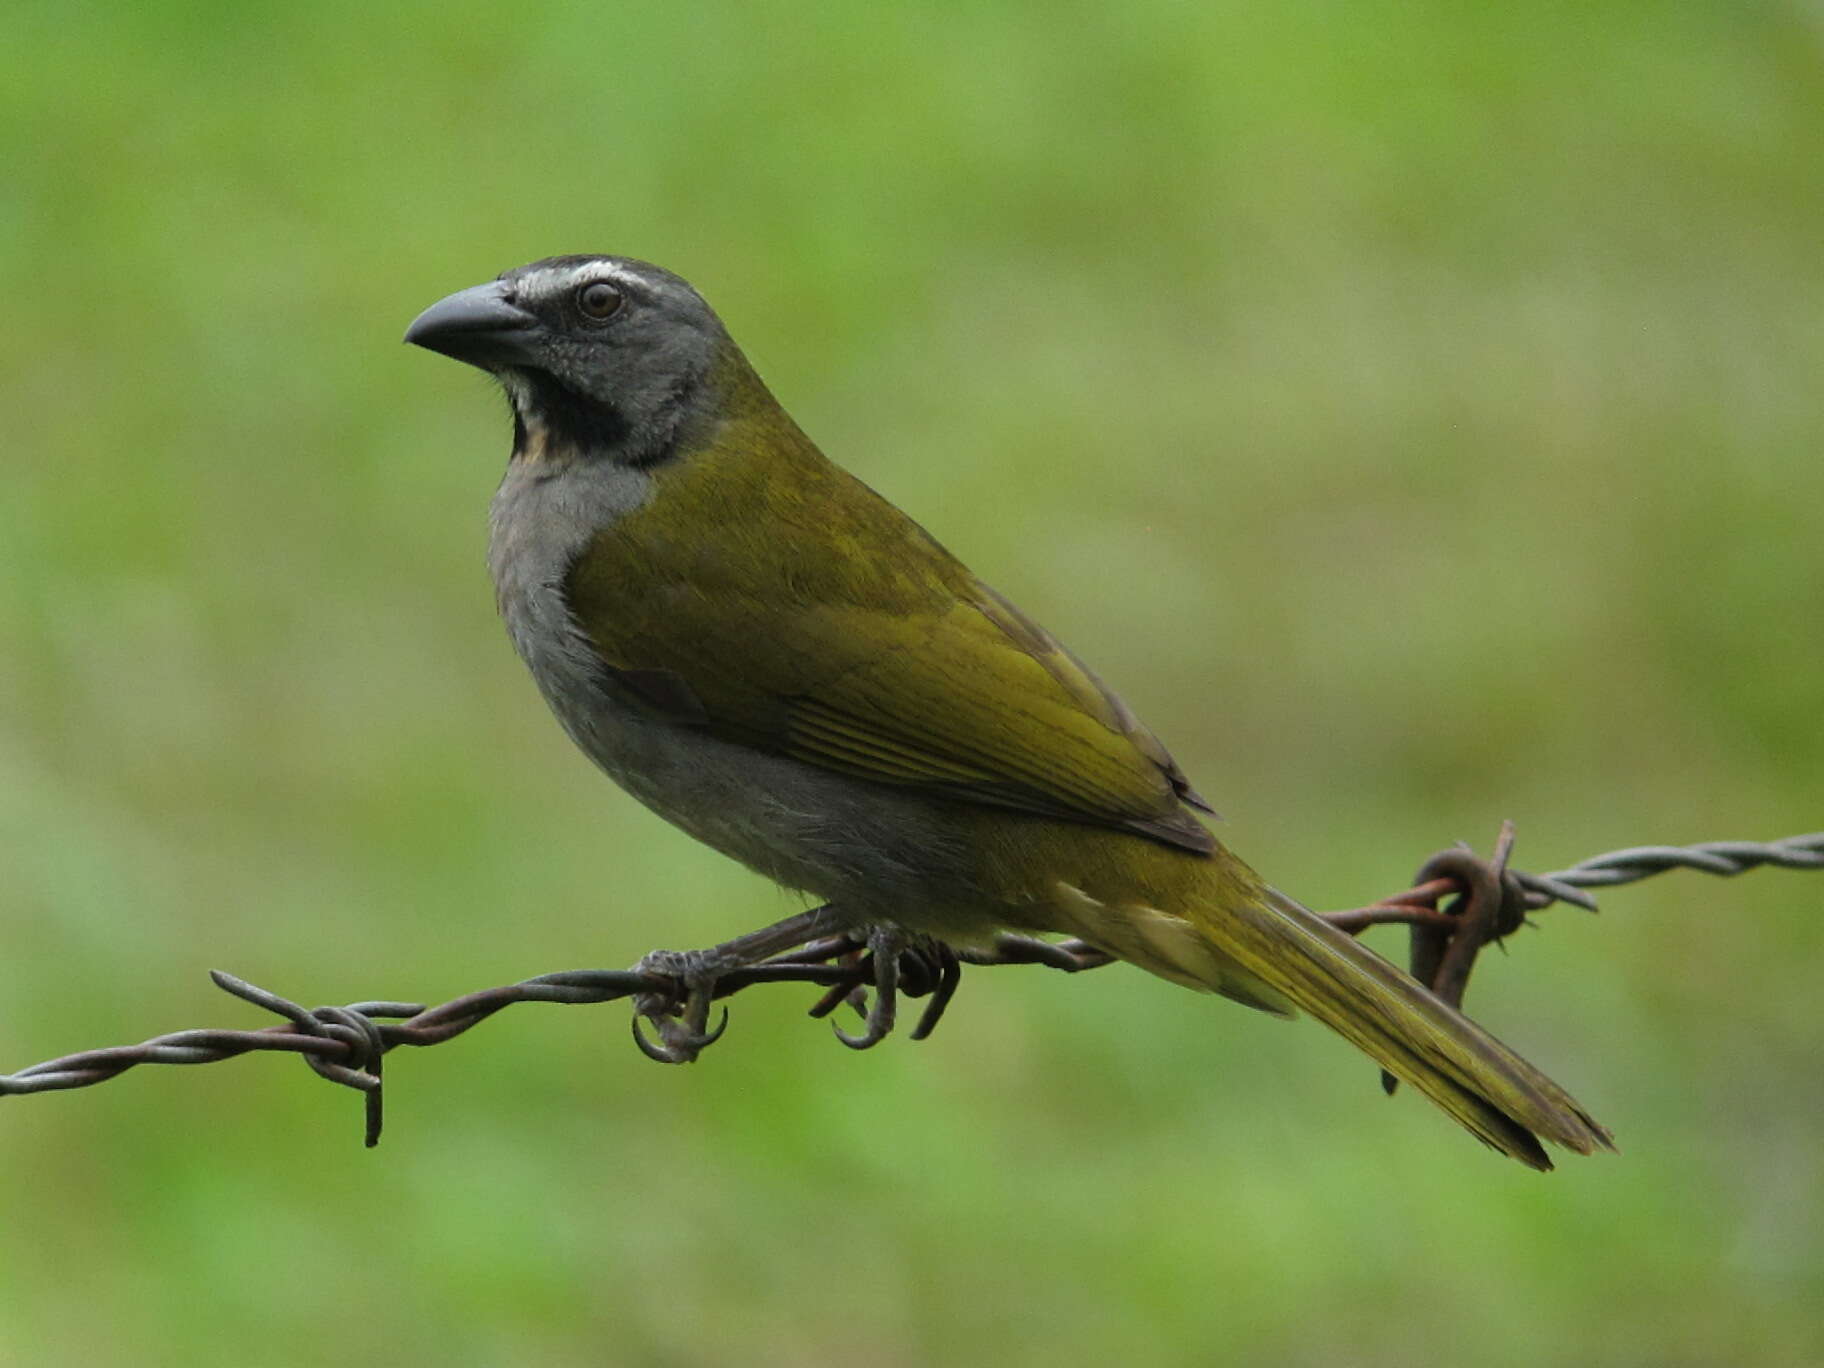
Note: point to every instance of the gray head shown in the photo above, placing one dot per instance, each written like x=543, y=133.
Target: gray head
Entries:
x=604, y=355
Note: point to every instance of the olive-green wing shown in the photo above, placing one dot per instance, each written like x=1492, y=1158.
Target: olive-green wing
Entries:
x=950, y=693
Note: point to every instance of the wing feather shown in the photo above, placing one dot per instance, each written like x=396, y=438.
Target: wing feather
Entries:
x=875, y=654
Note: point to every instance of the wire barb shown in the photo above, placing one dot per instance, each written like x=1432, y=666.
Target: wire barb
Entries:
x=1459, y=904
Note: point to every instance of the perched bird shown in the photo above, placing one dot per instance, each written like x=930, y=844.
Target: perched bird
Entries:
x=770, y=655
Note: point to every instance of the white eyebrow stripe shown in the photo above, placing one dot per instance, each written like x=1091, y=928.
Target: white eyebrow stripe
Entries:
x=602, y=270
x=560, y=279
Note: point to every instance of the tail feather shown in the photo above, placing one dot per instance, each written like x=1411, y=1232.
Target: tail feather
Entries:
x=1503, y=1100
x=1264, y=949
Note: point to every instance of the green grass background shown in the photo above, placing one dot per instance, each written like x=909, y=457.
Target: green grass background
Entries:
x=1415, y=410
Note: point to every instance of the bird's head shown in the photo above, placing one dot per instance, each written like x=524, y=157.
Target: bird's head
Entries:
x=602, y=356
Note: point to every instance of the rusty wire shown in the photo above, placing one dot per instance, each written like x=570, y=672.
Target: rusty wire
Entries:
x=1459, y=904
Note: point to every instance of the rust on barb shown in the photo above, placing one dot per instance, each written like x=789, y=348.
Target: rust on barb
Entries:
x=1459, y=904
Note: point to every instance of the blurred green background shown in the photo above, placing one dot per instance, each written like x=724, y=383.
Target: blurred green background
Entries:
x=1414, y=411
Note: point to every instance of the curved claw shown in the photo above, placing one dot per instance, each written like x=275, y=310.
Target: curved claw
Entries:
x=869, y=1038
x=662, y=1054
x=699, y=1040
x=885, y=944
x=675, y=1045
x=950, y=975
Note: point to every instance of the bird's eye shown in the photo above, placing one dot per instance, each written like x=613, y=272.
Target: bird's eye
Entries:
x=598, y=300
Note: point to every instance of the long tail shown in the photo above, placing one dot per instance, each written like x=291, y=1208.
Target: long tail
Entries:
x=1268, y=951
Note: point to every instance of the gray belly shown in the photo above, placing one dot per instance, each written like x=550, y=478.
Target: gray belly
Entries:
x=874, y=851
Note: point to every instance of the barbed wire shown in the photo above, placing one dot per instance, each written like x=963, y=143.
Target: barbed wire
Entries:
x=1722, y=858
x=1459, y=904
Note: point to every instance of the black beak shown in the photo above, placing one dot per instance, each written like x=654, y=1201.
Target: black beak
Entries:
x=479, y=325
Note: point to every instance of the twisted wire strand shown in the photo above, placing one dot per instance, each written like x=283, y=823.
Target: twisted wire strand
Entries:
x=346, y=1044
x=1722, y=858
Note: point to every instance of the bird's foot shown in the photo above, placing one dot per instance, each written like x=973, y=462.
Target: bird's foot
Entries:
x=680, y=1017
x=868, y=969
x=890, y=961
x=679, y=1010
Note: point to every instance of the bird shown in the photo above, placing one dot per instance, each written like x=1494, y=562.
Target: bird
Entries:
x=773, y=657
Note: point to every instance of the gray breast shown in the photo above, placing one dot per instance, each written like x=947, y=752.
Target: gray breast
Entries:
x=542, y=519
